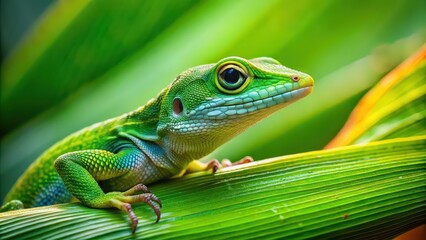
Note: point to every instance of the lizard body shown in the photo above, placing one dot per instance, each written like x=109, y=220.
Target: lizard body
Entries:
x=105, y=165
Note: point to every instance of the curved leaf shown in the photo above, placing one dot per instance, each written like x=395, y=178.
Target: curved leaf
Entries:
x=356, y=192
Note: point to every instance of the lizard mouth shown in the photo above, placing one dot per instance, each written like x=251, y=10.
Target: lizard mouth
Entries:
x=237, y=106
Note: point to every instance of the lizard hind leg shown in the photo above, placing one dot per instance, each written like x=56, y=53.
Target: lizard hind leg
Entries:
x=12, y=205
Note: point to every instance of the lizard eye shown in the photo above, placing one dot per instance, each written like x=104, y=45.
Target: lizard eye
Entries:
x=232, y=78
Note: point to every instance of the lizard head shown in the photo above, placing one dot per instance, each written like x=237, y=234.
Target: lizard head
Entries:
x=208, y=105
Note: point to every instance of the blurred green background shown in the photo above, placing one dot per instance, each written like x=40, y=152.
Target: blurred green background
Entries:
x=68, y=64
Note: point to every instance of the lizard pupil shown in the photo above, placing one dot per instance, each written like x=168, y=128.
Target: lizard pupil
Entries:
x=177, y=106
x=231, y=75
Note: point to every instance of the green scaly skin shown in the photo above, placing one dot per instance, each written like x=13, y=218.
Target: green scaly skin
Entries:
x=105, y=165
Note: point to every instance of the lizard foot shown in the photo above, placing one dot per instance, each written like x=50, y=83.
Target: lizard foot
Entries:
x=124, y=200
x=228, y=163
x=215, y=165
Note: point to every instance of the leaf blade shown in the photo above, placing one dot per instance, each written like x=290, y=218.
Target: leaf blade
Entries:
x=375, y=185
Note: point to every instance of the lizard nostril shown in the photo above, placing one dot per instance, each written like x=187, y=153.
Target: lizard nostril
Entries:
x=295, y=78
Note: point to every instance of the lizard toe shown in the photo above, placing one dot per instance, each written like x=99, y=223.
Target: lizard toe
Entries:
x=137, y=188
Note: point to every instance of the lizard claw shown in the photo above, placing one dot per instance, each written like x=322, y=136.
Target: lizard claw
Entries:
x=124, y=200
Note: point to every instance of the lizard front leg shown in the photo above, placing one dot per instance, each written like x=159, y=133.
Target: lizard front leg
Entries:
x=82, y=170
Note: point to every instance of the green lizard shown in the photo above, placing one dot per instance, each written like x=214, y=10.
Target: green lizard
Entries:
x=105, y=165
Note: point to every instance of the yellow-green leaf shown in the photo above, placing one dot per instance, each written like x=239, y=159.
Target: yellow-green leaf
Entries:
x=395, y=107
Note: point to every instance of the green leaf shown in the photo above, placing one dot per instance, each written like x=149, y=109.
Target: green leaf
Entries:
x=375, y=191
